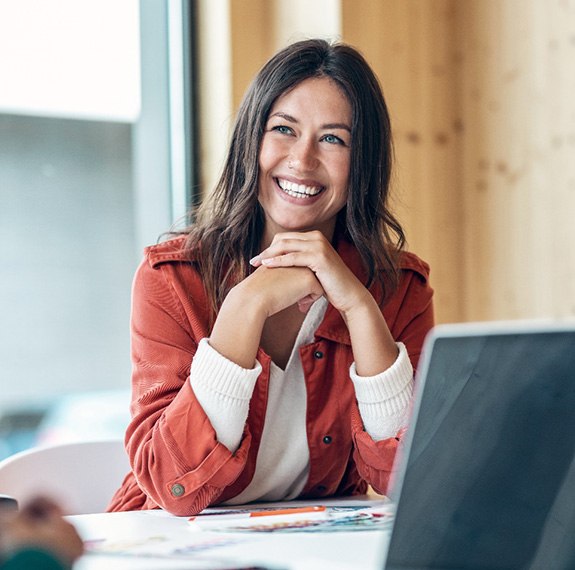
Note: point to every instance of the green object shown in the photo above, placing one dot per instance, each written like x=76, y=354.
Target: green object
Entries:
x=32, y=559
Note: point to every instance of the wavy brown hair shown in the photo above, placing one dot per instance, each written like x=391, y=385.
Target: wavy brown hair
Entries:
x=228, y=226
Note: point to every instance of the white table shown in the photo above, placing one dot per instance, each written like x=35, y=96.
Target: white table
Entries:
x=161, y=533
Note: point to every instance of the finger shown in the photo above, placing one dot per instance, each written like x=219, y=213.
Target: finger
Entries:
x=279, y=248
x=301, y=236
x=256, y=261
x=291, y=259
x=288, y=241
x=285, y=246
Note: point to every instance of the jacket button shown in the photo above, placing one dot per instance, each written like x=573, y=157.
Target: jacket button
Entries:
x=318, y=354
x=327, y=439
x=178, y=490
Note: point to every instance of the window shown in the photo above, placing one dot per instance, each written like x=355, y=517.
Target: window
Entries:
x=90, y=172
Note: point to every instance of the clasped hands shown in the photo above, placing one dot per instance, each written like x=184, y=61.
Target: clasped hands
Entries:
x=299, y=268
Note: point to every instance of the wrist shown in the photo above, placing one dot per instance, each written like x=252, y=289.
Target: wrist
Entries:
x=238, y=312
x=373, y=346
x=357, y=311
x=247, y=302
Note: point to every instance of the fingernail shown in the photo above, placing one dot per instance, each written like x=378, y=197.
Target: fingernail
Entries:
x=255, y=260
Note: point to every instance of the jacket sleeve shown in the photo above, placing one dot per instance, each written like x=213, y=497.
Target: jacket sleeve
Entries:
x=174, y=452
x=410, y=317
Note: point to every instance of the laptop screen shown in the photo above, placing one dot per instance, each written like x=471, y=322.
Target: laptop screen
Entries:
x=488, y=479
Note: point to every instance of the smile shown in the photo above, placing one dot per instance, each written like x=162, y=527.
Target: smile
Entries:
x=298, y=190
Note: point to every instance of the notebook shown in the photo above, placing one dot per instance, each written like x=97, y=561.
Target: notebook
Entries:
x=486, y=476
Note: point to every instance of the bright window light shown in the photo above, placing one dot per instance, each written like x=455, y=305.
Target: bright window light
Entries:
x=70, y=58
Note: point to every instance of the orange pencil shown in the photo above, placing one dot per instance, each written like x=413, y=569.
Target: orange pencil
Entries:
x=223, y=516
x=288, y=511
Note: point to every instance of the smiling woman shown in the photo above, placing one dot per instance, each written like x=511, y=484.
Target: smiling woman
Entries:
x=274, y=341
x=304, y=159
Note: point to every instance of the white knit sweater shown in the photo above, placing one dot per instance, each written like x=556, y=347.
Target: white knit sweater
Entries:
x=224, y=390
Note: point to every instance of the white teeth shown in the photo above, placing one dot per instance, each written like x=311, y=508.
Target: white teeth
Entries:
x=298, y=190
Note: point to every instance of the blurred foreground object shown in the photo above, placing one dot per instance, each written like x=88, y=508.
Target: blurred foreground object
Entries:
x=37, y=536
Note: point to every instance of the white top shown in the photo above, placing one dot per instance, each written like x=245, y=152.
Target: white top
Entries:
x=224, y=390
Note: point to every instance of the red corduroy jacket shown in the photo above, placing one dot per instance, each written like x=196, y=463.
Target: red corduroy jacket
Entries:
x=177, y=462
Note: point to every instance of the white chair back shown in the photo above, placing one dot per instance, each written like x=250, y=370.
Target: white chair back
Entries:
x=80, y=476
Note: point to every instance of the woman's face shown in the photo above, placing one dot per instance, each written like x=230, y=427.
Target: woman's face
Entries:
x=305, y=159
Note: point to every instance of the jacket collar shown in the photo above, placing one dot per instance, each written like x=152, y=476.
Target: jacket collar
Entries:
x=333, y=326
x=166, y=251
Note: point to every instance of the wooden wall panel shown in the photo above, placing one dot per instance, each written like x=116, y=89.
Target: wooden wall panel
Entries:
x=481, y=94
x=411, y=46
x=518, y=98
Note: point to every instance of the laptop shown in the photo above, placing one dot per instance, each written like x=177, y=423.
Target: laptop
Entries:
x=486, y=476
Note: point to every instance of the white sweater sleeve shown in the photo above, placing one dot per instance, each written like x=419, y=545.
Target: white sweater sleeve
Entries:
x=224, y=390
x=384, y=400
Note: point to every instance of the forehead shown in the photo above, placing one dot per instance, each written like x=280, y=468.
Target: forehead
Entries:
x=315, y=95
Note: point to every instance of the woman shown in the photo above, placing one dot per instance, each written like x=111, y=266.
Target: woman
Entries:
x=274, y=342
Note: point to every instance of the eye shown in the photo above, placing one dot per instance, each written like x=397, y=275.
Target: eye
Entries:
x=332, y=139
x=282, y=129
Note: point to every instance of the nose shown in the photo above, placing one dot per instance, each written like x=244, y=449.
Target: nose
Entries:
x=303, y=155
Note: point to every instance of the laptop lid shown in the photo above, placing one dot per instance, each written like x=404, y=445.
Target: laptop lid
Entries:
x=486, y=478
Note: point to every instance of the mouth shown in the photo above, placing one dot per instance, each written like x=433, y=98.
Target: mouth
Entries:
x=299, y=190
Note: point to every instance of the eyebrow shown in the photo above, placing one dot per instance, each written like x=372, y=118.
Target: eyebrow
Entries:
x=326, y=126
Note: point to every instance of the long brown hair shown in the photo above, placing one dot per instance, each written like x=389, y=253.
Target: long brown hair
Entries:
x=228, y=225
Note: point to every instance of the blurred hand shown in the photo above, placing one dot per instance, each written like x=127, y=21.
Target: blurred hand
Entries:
x=40, y=524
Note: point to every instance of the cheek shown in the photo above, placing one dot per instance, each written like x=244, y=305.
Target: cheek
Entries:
x=268, y=156
x=343, y=183
x=342, y=170
x=264, y=175
x=342, y=199
x=263, y=159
